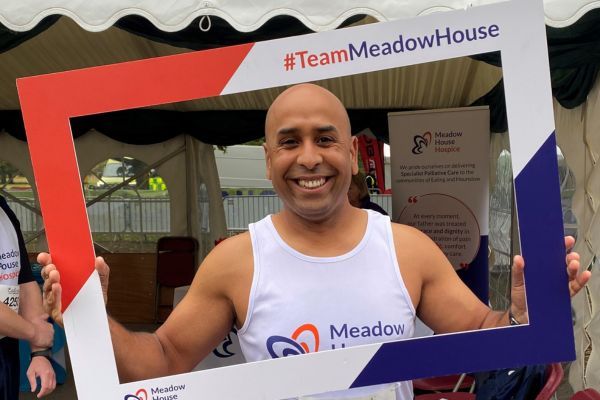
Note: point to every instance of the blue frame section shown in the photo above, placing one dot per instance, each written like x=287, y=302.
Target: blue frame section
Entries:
x=549, y=335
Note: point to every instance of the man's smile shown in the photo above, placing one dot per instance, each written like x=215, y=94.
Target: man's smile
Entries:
x=311, y=183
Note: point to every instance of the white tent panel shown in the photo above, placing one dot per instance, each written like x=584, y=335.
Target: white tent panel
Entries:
x=247, y=16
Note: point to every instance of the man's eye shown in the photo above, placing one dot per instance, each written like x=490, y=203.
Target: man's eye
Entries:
x=287, y=142
x=325, y=140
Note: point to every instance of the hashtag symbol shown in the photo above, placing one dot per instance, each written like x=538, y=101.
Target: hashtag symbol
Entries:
x=289, y=61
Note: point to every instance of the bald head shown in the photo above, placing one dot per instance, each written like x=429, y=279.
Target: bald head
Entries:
x=302, y=101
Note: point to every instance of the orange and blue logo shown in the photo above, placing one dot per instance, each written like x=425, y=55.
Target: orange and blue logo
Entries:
x=141, y=394
x=304, y=340
x=421, y=142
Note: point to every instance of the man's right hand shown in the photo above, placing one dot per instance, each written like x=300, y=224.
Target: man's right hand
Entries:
x=53, y=289
x=43, y=335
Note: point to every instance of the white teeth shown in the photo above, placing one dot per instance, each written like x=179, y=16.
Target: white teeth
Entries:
x=311, y=184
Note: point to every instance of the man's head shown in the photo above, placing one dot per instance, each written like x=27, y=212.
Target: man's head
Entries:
x=309, y=151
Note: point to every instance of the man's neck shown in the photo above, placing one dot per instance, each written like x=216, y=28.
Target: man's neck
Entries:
x=335, y=235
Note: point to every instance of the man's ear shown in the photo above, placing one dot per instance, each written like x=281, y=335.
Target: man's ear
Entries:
x=267, y=161
x=354, y=153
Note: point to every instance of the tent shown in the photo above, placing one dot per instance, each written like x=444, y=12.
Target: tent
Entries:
x=47, y=36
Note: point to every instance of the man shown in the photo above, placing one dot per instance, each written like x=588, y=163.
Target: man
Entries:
x=317, y=264
x=21, y=314
x=358, y=194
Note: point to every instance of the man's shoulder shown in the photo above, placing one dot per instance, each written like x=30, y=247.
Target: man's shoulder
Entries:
x=409, y=240
x=230, y=255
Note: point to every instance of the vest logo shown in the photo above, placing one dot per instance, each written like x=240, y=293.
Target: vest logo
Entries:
x=223, y=350
x=141, y=394
x=304, y=340
x=421, y=142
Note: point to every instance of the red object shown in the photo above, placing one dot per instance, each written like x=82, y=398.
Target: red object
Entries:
x=49, y=101
x=587, y=394
x=371, y=153
x=219, y=240
x=555, y=375
x=446, y=396
x=442, y=383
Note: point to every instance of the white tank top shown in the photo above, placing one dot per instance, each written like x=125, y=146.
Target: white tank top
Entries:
x=301, y=304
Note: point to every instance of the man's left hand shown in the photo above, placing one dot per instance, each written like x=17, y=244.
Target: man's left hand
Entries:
x=577, y=280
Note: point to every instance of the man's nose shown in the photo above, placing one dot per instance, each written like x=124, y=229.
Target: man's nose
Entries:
x=310, y=156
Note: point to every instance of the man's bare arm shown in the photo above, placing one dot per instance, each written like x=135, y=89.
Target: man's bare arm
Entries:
x=194, y=328
x=444, y=302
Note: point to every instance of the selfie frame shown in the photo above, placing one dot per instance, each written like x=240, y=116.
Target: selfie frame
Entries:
x=515, y=28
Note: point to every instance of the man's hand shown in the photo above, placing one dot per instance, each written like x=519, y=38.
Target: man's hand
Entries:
x=41, y=368
x=43, y=335
x=52, y=288
x=576, y=281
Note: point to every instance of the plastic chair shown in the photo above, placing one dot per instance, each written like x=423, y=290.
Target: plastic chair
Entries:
x=587, y=394
x=176, y=261
x=444, y=383
x=446, y=396
x=554, y=373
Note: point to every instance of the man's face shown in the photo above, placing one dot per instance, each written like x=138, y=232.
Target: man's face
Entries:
x=309, y=151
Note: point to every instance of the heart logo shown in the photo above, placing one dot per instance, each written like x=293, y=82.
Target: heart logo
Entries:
x=139, y=395
x=421, y=142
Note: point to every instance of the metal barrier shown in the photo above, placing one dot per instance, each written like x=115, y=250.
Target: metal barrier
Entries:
x=243, y=210
x=111, y=216
x=153, y=215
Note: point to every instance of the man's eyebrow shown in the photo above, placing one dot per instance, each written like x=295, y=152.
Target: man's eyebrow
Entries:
x=292, y=130
x=286, y=131
x=327, y=128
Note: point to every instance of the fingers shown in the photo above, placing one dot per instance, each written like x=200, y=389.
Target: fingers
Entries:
x=578, y=282
x=41, y=368
x=573, y=256
x=569, y=242
x=56, y=305
x=44, y=259
x=50, y=275
x=31, y=379
x=48, y=383
x=518, y=278
x=103, y=273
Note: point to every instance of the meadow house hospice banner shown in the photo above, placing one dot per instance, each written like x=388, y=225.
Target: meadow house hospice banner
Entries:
x=439, y=165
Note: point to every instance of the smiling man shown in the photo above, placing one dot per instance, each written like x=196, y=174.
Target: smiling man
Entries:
x=319, y=275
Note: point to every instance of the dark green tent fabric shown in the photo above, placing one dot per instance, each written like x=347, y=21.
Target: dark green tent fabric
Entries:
x=11, y=39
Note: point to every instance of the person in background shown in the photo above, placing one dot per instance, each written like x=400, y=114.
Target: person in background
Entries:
x=21, y=314
x=358, y=194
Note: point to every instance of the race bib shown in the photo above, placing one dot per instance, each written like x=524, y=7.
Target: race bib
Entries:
x=9, y=295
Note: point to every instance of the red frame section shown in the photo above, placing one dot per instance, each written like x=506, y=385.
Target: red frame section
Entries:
x=47, y=103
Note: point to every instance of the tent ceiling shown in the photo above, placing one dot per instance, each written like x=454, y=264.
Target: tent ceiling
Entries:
x=246, y=16
x=60, y=44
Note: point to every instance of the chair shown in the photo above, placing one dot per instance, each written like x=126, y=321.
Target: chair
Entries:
x=444, y=383
x=554, y=375
x=176, y=261
x=587, y=394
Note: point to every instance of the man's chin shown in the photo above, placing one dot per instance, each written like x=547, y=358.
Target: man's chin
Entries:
x=313, y=212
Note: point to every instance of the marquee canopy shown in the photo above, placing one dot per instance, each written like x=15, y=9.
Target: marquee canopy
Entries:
x=246, y=16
